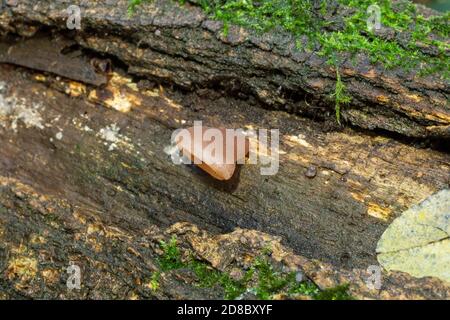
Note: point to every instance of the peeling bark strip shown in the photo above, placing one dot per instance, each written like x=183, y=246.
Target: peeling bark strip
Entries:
x=180, y=45
x=48, y=56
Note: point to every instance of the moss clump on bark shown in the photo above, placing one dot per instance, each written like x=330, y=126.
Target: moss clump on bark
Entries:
x=346, y=34
x=423, y=46
x=261, y=279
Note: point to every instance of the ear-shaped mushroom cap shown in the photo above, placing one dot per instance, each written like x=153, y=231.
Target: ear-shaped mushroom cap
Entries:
x=214, y=150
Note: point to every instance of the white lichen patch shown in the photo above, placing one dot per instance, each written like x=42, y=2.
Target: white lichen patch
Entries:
x=55, y=119
x=114, y=139
x=14, y=111
x=170, y=150
x=59, y=135
x=110, y=133
x=87, y=129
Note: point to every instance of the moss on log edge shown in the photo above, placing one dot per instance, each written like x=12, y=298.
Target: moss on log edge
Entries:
x=182, y=45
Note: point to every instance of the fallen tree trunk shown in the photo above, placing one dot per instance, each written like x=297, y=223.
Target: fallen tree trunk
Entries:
x=179, y=45
x=84, y=177
x=86, y=183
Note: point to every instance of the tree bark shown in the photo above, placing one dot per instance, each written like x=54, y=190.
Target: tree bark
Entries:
x=179, y=45
x=84, y=176
x=71, y=192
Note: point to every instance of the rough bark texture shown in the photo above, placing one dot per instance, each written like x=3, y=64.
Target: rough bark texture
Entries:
x=84, y=176
x=76, y=198
x=180, y=45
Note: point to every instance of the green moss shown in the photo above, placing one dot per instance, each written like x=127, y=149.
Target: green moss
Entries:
x=132, y=4
x=302, y=18
x=336, y=293
x=339, y=95
x=304, y=288
x=403, y=18
x=269, y=281
x=171, y=257
x=262, y=278
x=154, y=281
x=208, y=277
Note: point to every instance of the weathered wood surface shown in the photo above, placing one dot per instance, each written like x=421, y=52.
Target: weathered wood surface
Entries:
x=84, y=176
x=180, y=45
x=50, y=57
x=70, y=194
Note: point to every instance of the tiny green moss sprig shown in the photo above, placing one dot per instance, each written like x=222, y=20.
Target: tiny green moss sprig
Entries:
x=132, y=4
x=340, y=95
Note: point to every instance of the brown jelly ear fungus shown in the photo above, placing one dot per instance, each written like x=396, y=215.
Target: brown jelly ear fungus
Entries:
x=214, y=150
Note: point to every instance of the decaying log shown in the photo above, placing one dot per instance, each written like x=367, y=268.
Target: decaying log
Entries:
x=84, y=178
x=178, y=44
